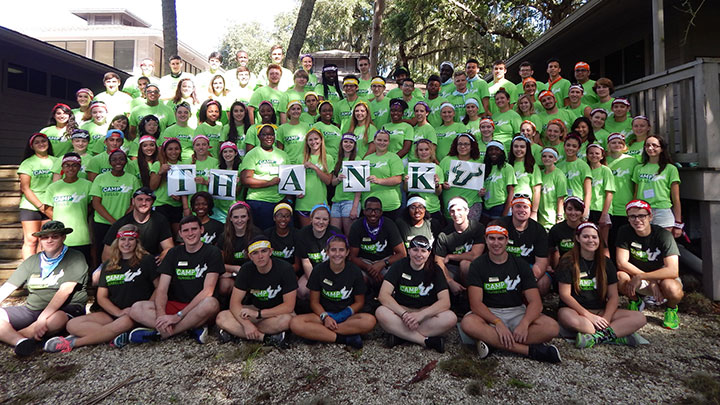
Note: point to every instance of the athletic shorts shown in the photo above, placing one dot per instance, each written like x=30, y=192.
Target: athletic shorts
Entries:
x=30, y=215
x=511, y=316
x=173, y=214
x=21, y=316
x=343, y=209
x=645, y=289
x=367, y=276
x=172, y=307
x=663, y=217
x=595, y=218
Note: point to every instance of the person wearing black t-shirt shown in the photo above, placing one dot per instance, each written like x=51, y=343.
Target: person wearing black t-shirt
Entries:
x=184, y=298
x=127, y=277
x=415, y=299
x=458, y=245
x=239, y=231
x=283, y=236
x=414, y=221
x=561, y=237
x=647, y=259
x=375, y=242
x=311, y=243
x=528, y=241
x=589, y=295
x=202, y=206
x=337, y=294
x=271, y=288
x=498, y=284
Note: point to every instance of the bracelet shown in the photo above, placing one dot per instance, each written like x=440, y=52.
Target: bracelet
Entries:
x=497, y=321
x=679, y=225
x=403, y=314
x=323, y=316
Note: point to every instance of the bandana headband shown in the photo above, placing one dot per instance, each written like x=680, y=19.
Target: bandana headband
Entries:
x=421, y=242
x=127, y=234
x=638, y=204
x=546, y=93
x=551, y=151
x=584, y=225
x=261, y=244
x=71, y=159
x=413, y=200
x=147, y=138
x=496, y=229
x=228, y=144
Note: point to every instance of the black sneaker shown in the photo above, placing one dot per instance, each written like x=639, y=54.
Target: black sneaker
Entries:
x=545, y=352
x=277, y=340
x=436, y=343
x=225, y=336
x=25, y=347
x=392, y=341
x=354, y=341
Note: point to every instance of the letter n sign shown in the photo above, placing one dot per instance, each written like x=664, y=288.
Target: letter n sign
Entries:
x=356, y=173
x=223, y=184
x=421, y=177
x=292, y=179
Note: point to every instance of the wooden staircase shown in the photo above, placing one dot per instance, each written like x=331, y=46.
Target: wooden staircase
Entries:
x=11, y=236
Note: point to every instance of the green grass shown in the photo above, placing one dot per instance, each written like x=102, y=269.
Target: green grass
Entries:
x=481, y=371
x=514, y=382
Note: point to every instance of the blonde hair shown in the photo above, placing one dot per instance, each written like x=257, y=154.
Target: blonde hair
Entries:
x=368, y=121
x=323, y=155
x=115, y=256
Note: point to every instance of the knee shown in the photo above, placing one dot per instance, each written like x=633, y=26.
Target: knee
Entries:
x=224, y=317
x=209, y=306
x=368, y=320
x=139, y=308
x=283, y=321
x=383, y=314
x=448, y=317
x=30, y=239
x=672, y=289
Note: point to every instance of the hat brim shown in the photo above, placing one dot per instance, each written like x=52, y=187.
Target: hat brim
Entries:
x=62, y=231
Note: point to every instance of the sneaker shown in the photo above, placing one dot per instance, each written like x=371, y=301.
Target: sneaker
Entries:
x=392, y=341
x=120, y=340
x=277, y=340
x=629, y=340
x=584, y=340
x=225, y=336
x=636, y=305
x=59, y=344
x=436, y=343
x=354, y=341
x=199, y=334
x=144, y=335
x=651, y=301
x=482, y=349
x=671, y=320
x=25, y=347
x=545, y=352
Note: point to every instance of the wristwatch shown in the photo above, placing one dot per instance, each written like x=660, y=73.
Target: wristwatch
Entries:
x=179, y=313
x=323, y=316
x=259, y=314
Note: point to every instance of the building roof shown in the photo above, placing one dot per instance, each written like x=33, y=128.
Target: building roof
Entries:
x=87, y=12
x=336, y=53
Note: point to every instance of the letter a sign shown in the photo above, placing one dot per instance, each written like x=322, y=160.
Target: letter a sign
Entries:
x=468, y=175
x=356, y=173
x=292, y=179
x=181, y=180
x=421, y=177
x=223, y=184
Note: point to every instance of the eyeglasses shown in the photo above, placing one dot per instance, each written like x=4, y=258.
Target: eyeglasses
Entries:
x=467, y=144
x=641, y=217
x=373, y=210
x=417, y=207
x=521, y=195
x=152, y=92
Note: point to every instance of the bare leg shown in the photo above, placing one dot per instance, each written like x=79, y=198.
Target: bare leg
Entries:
x=302, y=292
x=477, y=328
x=438, y=324
x=672, y=290
x=626, y=322
x=225, y=284
x=7, y=333
x=198, y=316
x=98, y=328
x=143, y=312
x=309, y=326
x=30, y=242
x=570, y=319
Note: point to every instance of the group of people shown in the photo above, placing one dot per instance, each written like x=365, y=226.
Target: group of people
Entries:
x=578, y=197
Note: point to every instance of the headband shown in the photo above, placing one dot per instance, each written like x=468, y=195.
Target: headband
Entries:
x=546, y=93
x=574, y=135
x=282, y=206
x=381, y=131
x=594, y=110
x=413, y=200
x=212, y=102
x=641, y=117
x=351, y=81
x=200, y=136
x=616, y=135
x=528, y=79
x=531, y=123
x=292, y=103
x=127, y=234
x=446, y=63
x=80, y=134
x=422, y=103
x=467, y=134
x=496, y=144
x=378, y=80
x=329, y=68
x=521, y=200
x=71, y=159
x=638, y=204
x=472, y=101
x=151, y=85
x=86, y=91
x=443, y=105
x=582, y=65
x=261, y=244
x=147, y=138
x=98, y=104
x=487, y=121
x=551, y=151
x=576, y=199
x=584, y=225
x=228, y=144
x=622, y=101
x=240, y=203
x=115, y=132
x=318, y=207
x=349, y=136
x=144, y=191
x=421, y=242
x=576, y=86
x=496, y=229
x=117, y=150
x=312, y=93
x=596, y=146
x=523, y=137
x=168, y=140
x=60, y=105
x=337, y=236
x=560, y=122
x=266, y=102
x=417, y=141
x=458, y=201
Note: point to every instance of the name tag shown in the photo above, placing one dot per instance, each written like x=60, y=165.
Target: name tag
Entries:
x=649, y=193
x=406, y=276
x=510, y=242
x=635, y=245
x=182, y=263
x=583, y=274
x=366, y=239
x=493, y=279
x=328, y=282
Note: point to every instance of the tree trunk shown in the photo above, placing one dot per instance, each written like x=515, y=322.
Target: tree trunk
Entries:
x=169, y=16
x=378, y=11
x=299, y=32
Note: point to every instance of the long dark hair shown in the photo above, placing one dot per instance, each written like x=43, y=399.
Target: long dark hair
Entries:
x=273, y=117
x=474, y=148
x=223, y=165
x=229, y=232
x=202, y=114
x=341, y=155
x=591, y=132
x=528, y=161
x=572, y=258
x=29, y=151
x=233, y=134
x=664, y=159
x=143, y=166
x=430, y=267
x=489, y=164
x=141, y=126
x=71, y=123
x=326, y=82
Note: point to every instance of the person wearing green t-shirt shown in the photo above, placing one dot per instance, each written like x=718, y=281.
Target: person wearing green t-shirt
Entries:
x=577, y=172
x=267, y=116
x=554, y=189
x=330, y=132
x=448, y=131
x=527, y=173
x=117, y=123
x=582, y=75
x=100, y=163
x=62, y=125
x=317, y=165
x=636, y=140
x=260, y=172
x=270, y=93
x=526, y=72
x=507, y=121
x=447, y=69
x=209, y=123
x=365, y=79
x=603, y=189
x=476, y=83
x=152, y=106
x=236, y=129
x=529, y=131
x=604, y=87
x=464, y=147
x=203, y=164
x=554, y=133
x=111, y=193
x=425, y=153
x=329, y=89
x=558, y=85
x=525, y=107
x=35, y=173
x=98, y=126
x=622, y=167
x=472, y=117
x=657, y=181
x=434, y=100
x=407, y=88
x=500, y=82
x=552, y=112
x=244, y=84
x=619, y=121
x=576, y=106
x=117, y=101
x=401, y=133
x=84, y=98
x=499, y=185
x=68, y=201
x=343, y=108
x=291, y=135
x=229, y=160
x=597, y=118
x=311, y=115
x=583, y=127
x=486, y=128
x=386, y=171
x=185, y=93
x=170, y=206
x=362, y=127
x=307, y=61
x=462, y=93
x=297, y=92
x=79, y=139
x=380, y=104
x=422, y=130
x=180, y=131
x=345, y=205
x=399, y=75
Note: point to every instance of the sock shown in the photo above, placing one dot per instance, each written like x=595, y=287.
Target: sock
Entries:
x=342, y=339
x=433, y=342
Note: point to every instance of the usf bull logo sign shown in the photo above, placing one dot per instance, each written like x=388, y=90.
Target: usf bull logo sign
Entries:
x=468, y=175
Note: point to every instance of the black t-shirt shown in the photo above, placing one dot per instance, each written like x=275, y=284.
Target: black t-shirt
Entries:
x=411, y=290
x=647, y=253
x=502, y=284
x=128, y=285
x=337, y=290
x=374, y=249
x=152, y=232
x=283, y=246
x=188, y=270
x=213, y=233
x=528, y=244
x=450, y=241
x=561, y=238
x=310, y=247
x=589, y=296
x=240, y=244
x=266, y=290
x=408, y=231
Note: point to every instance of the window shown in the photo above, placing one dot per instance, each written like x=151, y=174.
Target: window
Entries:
x=103, y=20
x=25, y=79
x=119, y=54
x=58, y=87
x=77, y=47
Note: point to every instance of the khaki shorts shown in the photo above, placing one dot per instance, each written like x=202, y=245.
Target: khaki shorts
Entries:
x=511, y=317
x=645, y=289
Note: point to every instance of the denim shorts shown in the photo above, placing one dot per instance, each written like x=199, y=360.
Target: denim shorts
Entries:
x=342, y=209
x=663, y=217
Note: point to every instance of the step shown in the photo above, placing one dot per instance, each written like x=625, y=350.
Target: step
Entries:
x=11, y=250
x=12, y=232
x=7, y=267
x=7, y=171
x=9, y=215
x=9, y=185
x=9, y=199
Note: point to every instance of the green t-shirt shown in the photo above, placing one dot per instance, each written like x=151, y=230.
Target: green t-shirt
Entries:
x=184, y=135
x=97, y=135
x=311, y=120
x=165, y=115
x=622, y=127
x=432, y=200
x=526, y=181
x=362, y=145
x=291, y=95
x=575, y=172
x=380, y=111
x=554, y=186
x=387, y=165
x=607, y=106
x=589, y=96
x=364, y=91
x=266, y=165
x=493, y=87
x=424, y=132
x=341, y=195
x=202, y=169
x=194, y=110
x=315, y=189
x=603, y=181
x=635, y=149
x=480, y=86
x=601, y=136
x=240, y=140
x=342, y=111
x=117, y=103
x=399, y=133
x=332, y=94
x=622, y=170
x=434, y=117
x=40, y=172
x=446, y=134
x=161, y=194
x=471, y=196
x=653, y=187
x=458, y=99
x=70, y=205
x=331, y=135
x=578, y=112
x=409, y=112
x=496, y=184
x=293, y=139
x=397, y=93
x=507, y=125
x=560, y=89
x=265, y=93
x=84, y=161
x=99, y=164
x=561, y=114
x=115, y=193
x=214, y=134
x=60, y=142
